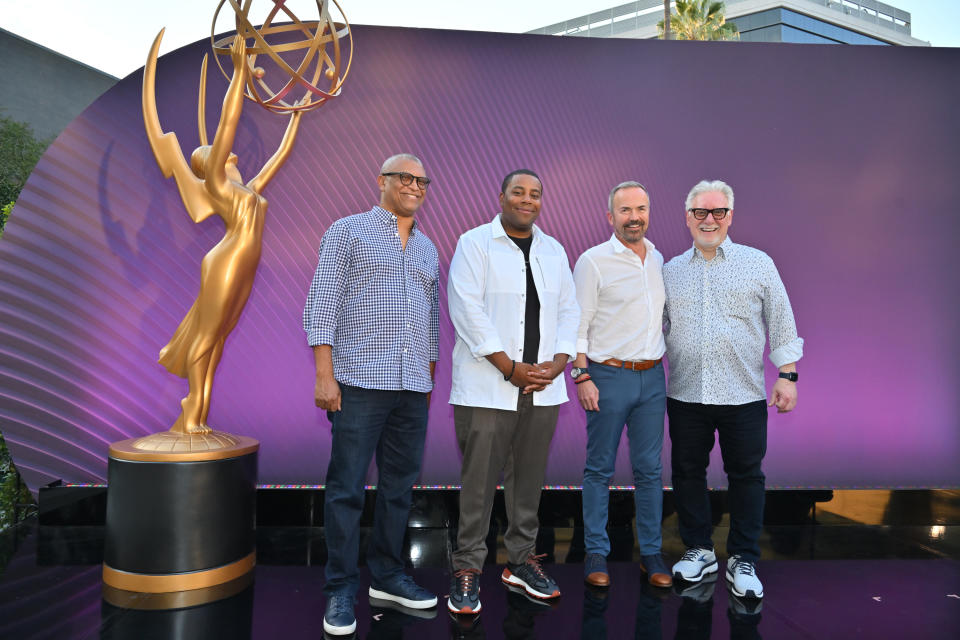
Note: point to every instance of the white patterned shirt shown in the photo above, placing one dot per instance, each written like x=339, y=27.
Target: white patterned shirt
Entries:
x=621, y=302
x=716, y=320
x=376, y=303
x=486, y=291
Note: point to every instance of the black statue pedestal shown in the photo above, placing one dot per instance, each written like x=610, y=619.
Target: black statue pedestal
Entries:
x=180, y=527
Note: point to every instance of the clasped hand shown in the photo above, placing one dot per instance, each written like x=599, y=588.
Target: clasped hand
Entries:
x=535, y=377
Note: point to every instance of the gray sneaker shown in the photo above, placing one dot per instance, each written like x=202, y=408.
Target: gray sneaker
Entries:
x=694, y=564
x=742, y=576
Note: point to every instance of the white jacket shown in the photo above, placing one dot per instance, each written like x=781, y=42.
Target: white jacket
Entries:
x=486, y=291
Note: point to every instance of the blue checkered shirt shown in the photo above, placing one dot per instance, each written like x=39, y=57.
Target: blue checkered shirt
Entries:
x=376, y=303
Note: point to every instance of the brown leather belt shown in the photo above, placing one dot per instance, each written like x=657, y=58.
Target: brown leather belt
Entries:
x=639, y=365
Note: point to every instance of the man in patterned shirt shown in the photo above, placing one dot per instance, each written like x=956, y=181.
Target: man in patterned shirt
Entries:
x=722, y=300
x=372, y=320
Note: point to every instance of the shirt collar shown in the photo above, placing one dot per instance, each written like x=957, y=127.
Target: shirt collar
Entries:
x=389, y=219
x=723, y=249
x=619, y=247
x=497, y=230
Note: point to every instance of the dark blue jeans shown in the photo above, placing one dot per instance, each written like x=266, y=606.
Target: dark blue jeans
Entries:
x=742, y=431
x=393, y=426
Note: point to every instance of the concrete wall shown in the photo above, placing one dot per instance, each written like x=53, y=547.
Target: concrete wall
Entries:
x=43, y=88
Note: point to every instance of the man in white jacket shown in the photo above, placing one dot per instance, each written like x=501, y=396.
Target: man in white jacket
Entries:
x=512, y=303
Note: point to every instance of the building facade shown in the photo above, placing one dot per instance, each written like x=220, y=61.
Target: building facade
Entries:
x=797, y=21
x=43, y=88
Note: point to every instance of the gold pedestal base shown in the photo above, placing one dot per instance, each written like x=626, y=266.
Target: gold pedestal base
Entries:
x=168, y=446
x=188, y=581
x=174, y=442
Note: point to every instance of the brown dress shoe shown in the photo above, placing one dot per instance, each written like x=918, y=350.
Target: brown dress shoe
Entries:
x=598, y=579
x=595, y=570
x=656, y=570
x=660, y=580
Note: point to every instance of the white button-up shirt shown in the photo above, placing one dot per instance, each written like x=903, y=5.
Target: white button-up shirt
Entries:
x=486, y=291
x=717, y=315
x=621, y=302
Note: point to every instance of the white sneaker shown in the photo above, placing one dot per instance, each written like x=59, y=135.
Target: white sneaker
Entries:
x=743, y=579
x=694, y=564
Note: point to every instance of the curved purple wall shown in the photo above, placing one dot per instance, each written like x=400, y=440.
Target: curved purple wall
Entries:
x=844, y=161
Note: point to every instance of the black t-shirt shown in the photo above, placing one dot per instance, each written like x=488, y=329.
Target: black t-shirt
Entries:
x=531, y=320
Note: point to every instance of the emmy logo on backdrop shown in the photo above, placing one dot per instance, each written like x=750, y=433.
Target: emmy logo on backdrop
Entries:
x=180, y=508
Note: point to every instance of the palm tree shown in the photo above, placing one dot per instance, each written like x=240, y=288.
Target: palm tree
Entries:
x=664, y=25
x=700, y=20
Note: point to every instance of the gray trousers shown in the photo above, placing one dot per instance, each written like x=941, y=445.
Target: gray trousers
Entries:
x=493, y=441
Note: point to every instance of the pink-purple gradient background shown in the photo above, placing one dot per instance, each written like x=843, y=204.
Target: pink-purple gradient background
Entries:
x=844, y=161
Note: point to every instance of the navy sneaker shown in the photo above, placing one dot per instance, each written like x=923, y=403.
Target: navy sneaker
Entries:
x=595, y=570
x=404, y=591
x=531, y=577
x=339, y=619
x=465, y=592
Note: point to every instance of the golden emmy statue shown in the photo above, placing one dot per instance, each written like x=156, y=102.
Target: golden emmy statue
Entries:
x=181, y=504
x=211, y=184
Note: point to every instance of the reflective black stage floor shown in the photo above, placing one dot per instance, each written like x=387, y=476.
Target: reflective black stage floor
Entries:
x=828, y=577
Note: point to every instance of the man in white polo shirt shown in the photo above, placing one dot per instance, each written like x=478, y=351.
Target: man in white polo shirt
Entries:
x=620, y=293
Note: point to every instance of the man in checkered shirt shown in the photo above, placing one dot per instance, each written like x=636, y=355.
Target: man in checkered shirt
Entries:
x=372, y=320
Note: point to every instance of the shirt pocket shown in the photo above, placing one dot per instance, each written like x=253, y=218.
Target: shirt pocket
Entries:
x=505, y=270
x=547, y=274
x=425, y=275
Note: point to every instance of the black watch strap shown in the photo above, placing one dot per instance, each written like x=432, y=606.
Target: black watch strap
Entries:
x=791, y=376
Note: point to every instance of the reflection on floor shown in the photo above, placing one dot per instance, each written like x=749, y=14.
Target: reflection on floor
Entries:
x=855, y=565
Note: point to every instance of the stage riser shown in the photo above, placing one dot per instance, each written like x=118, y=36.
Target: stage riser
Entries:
x=87, y=506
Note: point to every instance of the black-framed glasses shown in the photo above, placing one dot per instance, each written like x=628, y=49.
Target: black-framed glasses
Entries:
x=406, y=179
x=718, y=214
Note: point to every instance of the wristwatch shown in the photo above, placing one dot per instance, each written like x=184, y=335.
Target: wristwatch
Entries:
x=791, y=376
x=576, y=372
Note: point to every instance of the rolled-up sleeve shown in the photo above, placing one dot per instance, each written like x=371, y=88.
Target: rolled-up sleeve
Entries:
x=328, y=288
x=785, y=345
x=465, y=286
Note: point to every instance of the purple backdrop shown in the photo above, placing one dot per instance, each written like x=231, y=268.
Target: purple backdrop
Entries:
x=843, y=159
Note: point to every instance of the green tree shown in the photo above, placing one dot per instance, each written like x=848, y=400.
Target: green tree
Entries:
x=700, y=20
x=12, y=492
x=19, y=152
x=4, y=214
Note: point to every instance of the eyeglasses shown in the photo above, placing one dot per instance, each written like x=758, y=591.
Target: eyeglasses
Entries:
x=718, y=214
x=406, y=179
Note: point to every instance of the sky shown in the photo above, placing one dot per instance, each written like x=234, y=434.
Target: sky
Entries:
x=115, y=35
